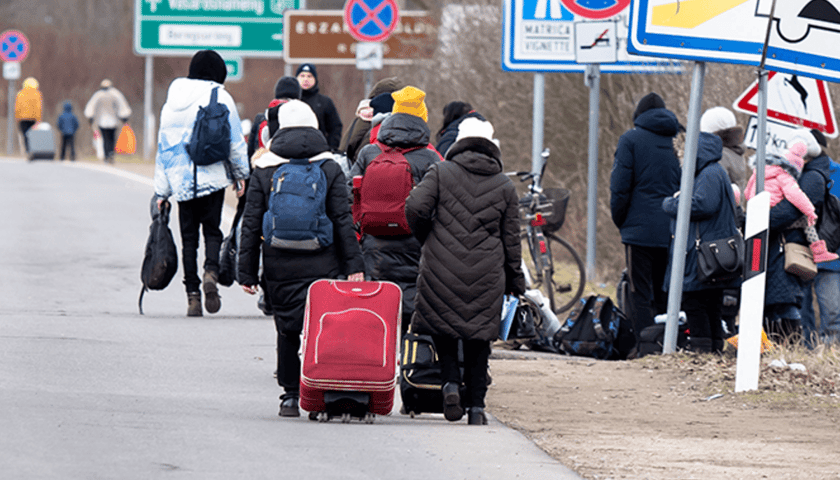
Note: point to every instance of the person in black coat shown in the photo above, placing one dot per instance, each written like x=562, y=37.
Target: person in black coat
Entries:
x=288, y=274
x=466, y=213
x=329, y=122
x=712, y=217
x=645, y=171
x=395, y=258
x=358, y=135
x=453, y=114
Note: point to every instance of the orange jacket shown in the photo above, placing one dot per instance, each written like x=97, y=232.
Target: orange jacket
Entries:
x=28, y=104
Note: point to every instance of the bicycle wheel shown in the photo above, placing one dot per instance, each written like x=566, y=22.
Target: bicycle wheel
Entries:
x=568, y=275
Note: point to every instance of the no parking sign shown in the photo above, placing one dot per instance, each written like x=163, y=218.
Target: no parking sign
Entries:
x=14, y=46
x=371, y=20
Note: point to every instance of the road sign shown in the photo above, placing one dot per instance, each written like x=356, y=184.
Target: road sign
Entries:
x=11, y=70
x=371, y=20
x=777, y=139
x=14, y=47
x=803, y=37
x=793, y=100
x=595, y=42
x=235, y=70
x=321, y=37
x=538, y=36
x=248, y=28
x=598, y=9
x=369, y=56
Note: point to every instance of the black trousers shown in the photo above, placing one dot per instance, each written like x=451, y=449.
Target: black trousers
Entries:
x=646, y=267
x=703, y=313
x=288, y=362
x=68, y=142
x=204, y=212
x=109, y=141
x=476, y=356
x=25, y=125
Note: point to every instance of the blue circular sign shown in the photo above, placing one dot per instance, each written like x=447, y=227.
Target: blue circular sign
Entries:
x=14, y=46
x=596, y=9
x=371, y=20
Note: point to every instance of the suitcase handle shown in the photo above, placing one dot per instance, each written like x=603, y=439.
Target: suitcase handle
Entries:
x=355, y=289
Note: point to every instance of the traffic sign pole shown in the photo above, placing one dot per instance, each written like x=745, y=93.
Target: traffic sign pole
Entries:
x=10, y=119
x=593, y=77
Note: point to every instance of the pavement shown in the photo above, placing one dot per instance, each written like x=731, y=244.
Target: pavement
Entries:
x=90, y=389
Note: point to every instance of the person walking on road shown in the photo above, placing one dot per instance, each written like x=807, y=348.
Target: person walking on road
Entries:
x=107, y=110
x=329, y=122
x=453, y=114
x=68, y=124
x=199, y=190
x=712, y=217
x=645, y=171
x=287, y=271
x=466, y=214
x=28, y=108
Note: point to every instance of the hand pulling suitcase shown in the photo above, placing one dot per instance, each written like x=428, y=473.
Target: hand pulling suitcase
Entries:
x=41, y=142
x=349, y=366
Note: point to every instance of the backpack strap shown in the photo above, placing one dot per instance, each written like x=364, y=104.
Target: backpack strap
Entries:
x=602, y=304
x=573, y=317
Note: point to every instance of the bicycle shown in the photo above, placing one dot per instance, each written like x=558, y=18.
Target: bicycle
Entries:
x=555, y=265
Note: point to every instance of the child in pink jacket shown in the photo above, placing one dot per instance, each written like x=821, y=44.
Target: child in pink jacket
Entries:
x=780, y=182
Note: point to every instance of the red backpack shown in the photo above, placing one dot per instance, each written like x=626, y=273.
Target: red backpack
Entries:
x=385, y=187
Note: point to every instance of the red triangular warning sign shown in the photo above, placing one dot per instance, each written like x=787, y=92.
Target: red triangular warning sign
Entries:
x=793, y=100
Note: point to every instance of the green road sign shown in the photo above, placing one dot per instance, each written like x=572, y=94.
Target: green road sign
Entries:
x=234, y=69
x=248, y=28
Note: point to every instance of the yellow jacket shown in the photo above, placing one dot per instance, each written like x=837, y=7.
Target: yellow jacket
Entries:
x=28, y=104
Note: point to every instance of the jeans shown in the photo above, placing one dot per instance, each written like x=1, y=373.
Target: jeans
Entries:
x=68, y=142
x=827, y=287
x=204, y=212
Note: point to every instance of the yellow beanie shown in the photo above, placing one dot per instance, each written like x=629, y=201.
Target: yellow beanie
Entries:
x=410, y=100
x=30, y=82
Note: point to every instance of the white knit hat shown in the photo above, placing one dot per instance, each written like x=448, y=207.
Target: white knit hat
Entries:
x=474, y=127
x=716, y=119
x=295, y=113
x=804, y=135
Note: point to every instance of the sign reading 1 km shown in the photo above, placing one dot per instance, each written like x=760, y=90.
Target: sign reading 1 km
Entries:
x=371, y=20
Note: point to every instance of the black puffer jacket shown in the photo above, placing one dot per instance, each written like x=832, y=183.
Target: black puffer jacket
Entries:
x=289, y=274
x=329, y=122
x=466, y=211
x=396, y=258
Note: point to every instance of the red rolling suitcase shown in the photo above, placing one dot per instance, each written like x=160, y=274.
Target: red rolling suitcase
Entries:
x=350, y=333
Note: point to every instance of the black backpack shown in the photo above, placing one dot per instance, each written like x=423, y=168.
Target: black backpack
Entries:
x=596, y=328
x=161, y=261
x=210, y=140
x=828, y=225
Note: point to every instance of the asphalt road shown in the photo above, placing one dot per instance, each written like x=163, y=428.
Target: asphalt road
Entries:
x=90, y=389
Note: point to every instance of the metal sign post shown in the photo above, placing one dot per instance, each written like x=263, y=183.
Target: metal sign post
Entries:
x=149, y=133
x=539, y=125
x=10, y=119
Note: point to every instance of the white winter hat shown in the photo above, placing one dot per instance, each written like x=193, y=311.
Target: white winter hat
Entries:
x=716, y=119
x=295, y=113
x=804, y=135
x=474, y=127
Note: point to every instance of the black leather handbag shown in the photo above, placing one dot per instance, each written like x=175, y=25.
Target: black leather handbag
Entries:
x=719, y=261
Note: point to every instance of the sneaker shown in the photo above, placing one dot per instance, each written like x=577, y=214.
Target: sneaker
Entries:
x=212, y=301
x=452, y=410
x=289, y=407
x=477, y=416
x=194, y=304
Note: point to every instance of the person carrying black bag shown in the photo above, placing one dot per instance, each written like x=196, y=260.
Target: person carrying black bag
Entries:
x=712, y=218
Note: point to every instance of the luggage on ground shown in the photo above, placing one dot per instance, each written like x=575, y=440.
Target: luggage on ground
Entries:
x=652, y=338
x=420, y=375
x=596, y=328
x=41, y=142
x=384, y=188
x=161, y=260
x=350, y=332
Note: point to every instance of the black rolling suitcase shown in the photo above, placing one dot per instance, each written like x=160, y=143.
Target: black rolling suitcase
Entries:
x=41, y=142
x=420, y=375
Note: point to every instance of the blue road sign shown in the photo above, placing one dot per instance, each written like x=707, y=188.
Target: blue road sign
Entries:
x=371, y=20
x=803, y=33
x=14, y=47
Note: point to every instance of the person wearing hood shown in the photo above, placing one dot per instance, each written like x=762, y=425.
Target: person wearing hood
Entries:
x=645, y=171
x=395, y=258
x=28, y=107
x=67, y=125
x=453, y=114
x=712, y=217
x=265, y=123
x=107, y=110
x=357, y=135
x=466, y=214
x=199, y=190
x=721, y=122
x=288, y=274
x=329, y=122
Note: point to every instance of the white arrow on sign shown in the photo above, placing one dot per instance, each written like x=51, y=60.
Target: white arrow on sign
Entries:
x=793, y=100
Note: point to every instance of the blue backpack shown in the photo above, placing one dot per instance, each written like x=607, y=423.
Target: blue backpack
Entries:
x=210, y=141
x=596, y=328
x=296, y=218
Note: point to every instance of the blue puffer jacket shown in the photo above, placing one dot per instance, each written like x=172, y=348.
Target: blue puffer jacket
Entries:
x=712, y=210
x=645, y=171
x=834, y=176
x=782, y=287
x=173, y=166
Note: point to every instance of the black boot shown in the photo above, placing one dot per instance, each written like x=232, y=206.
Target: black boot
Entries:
x=289, y=406
x=452, y=410
x=477, y=416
